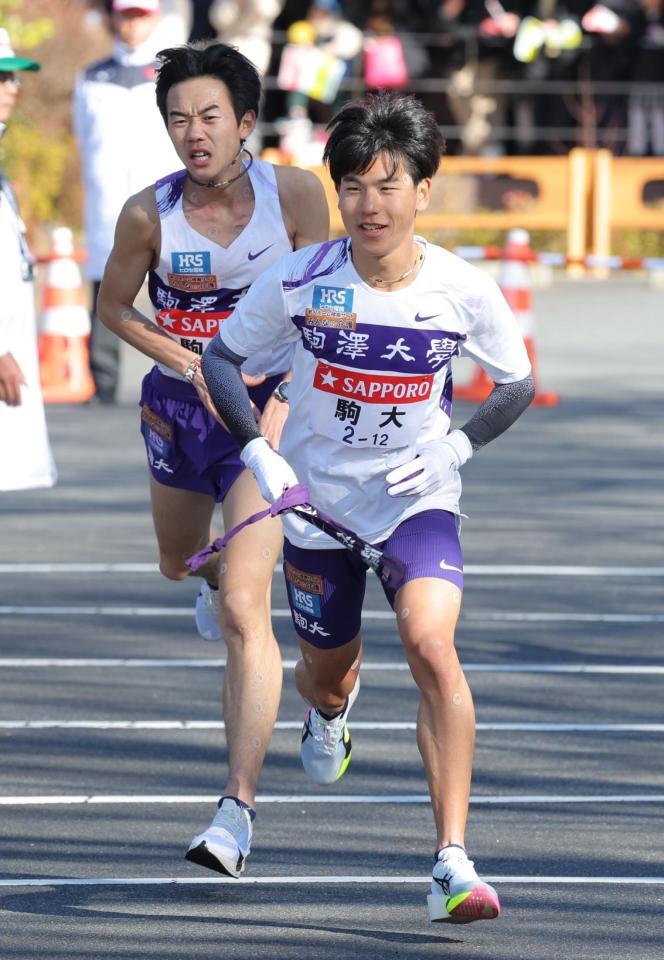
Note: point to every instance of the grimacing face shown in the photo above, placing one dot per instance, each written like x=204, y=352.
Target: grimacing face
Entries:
x=202, y=126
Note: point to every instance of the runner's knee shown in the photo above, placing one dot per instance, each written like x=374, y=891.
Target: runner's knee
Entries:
x=242, y=611
x=433, y=660
x=173, y=568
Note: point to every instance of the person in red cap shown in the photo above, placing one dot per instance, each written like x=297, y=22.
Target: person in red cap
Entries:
x=22, y=465
x=123, y=147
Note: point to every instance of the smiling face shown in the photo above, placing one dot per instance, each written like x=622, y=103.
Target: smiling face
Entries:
x=202, y=125
x=378, y=209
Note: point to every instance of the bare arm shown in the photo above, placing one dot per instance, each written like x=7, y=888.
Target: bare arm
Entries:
x=304, y=206
x=135, y=251
x=307, y=221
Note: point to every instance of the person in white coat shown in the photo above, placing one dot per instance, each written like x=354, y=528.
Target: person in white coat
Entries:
x=123, y=146
x=25, y=455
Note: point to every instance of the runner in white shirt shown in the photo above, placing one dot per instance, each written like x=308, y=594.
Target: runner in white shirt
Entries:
x=376, y=319
x=204, y=234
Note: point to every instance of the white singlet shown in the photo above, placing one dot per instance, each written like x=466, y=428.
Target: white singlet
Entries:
x=198, y=283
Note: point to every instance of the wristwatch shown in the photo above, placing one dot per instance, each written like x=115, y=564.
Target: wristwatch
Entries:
x=281, y=391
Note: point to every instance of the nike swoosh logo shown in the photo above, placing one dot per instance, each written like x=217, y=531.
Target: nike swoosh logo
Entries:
x=255, y=256
x=419, y=319
x=444, y=565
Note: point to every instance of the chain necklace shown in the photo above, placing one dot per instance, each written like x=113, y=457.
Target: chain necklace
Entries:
x=418, y=262
x=224, y=183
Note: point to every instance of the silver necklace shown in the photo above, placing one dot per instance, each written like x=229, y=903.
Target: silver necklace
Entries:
x=418, y=260
x=225, y=183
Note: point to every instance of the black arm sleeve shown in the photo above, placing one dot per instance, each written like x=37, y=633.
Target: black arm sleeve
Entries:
x=502, y=407
x=221, y=369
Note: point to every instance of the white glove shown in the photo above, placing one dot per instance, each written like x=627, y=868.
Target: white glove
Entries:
x=434, y=466
x=272, y=472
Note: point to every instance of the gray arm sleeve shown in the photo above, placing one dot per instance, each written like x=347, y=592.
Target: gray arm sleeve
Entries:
x=502, y=407
x=221, y=369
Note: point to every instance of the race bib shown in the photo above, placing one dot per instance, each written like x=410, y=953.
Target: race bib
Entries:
x=364, y=409
x=194, y=329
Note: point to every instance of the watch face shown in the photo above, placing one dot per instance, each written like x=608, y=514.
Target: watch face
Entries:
x=281, y=390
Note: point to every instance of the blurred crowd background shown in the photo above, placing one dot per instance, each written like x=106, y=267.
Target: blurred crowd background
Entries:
x=502, y=76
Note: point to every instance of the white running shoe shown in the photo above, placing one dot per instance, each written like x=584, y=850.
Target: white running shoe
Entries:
x=326, y=748
x=207, y=612
x=226, y=843
x=457, y=893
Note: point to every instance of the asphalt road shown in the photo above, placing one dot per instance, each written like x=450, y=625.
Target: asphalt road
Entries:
x=110, y=723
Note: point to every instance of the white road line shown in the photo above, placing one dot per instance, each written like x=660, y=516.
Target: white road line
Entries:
x=479, y=570
x=475, y=616
x=335, y=879
x=322, y=798
x=384, y=725
x=367, y=665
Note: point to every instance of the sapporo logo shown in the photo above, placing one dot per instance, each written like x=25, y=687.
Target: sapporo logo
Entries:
x=195, y=262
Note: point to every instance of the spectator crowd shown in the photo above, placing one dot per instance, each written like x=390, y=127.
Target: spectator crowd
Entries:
x=502, y=76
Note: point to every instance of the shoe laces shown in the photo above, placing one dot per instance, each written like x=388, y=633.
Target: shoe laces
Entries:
x=327, y=733
x=233, y=819
x=455, y=861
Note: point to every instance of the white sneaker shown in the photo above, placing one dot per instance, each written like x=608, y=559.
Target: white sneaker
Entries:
x=457, y=893
x=207, y=612
x=326, y=748
x=226, y=843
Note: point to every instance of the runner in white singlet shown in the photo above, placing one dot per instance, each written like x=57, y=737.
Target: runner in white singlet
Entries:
x=204, y=235
x=376, y=319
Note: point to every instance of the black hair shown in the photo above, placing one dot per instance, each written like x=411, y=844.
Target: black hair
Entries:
x=204, y=59
x=393, y=123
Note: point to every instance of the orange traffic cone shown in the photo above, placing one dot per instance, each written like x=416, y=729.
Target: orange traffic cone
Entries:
x=64, y=327
x=478, y=388
x=515, y=283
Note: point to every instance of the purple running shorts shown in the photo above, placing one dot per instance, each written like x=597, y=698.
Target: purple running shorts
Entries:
x=326, y=587
x=186, y=447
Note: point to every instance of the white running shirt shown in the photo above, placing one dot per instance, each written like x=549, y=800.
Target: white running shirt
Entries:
x=372, y=374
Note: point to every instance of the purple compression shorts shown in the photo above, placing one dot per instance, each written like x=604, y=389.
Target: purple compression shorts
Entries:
x=186, y=446
x=326, y=587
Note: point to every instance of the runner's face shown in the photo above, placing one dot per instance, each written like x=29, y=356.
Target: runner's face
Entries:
x=203, y=128
x=378, y=208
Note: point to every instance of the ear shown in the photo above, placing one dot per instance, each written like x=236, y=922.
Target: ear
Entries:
x=423, y=194
x=247, y=125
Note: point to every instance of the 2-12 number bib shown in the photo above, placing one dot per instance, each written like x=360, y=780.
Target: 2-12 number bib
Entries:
x=365, y=409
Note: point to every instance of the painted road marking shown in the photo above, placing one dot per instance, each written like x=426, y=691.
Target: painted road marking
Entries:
x=473, y=616
x=83, y=799
x=481, y=570
x=367, y=665
x=381, y=725
x=335, y=879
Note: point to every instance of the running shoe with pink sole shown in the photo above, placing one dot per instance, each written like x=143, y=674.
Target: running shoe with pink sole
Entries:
x=457, y=893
